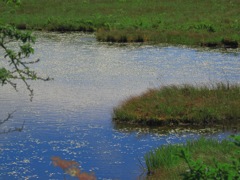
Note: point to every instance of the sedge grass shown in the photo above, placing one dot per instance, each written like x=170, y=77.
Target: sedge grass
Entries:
x=177, y=105
x=176, y=21
x=165, y=162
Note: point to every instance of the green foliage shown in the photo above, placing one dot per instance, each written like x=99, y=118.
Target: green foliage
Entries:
x=17, y=2
x=14, y=56
x=199, y=170
x=203, y=26
x=197, y=159
x=16, y=46
x=4, y=75
x=236, y=140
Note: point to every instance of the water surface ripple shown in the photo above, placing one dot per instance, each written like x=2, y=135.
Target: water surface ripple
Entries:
x=70, y=117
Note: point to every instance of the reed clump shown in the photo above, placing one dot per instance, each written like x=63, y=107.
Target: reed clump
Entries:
x=182, y=105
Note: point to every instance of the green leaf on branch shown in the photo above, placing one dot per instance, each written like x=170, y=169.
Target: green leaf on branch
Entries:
x=26, y=49
x=11, y=54
x=4, y=75
x=9, y=37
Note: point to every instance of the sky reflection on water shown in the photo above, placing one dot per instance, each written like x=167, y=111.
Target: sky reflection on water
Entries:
x=70, y=117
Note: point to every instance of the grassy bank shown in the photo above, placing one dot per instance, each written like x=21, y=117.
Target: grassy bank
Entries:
x=205, y=158
x=176, y=22
x=176, y=105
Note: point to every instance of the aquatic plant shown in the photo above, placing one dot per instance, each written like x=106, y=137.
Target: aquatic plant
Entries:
x=197, y=159
x=219, y=170
x=71, y=168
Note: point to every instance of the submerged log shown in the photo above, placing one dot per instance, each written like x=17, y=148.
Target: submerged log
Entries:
x=229, y=43
x=210, y=44
x=225, y=43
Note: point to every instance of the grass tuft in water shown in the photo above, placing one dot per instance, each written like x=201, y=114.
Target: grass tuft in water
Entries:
x=186, y=104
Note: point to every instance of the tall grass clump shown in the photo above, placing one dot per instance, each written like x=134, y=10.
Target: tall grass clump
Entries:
x=187, y=104
x=164, y=156
x=197, y=159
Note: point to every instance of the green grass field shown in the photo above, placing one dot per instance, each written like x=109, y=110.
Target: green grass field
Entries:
x=167, y=21
x=182, y=105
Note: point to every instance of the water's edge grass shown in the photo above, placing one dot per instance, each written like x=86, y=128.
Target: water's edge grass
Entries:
x=207, y=23
x=165, y=162
x=182, y=105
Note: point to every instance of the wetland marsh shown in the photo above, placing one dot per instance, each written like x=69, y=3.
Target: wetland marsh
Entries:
x=71, y=116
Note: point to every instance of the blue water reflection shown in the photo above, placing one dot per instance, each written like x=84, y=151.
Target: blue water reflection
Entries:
x=70, y=117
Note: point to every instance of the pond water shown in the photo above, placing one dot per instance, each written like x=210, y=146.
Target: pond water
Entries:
x=70, y=117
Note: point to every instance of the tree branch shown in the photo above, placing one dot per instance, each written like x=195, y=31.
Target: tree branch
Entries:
x=10, y=129
x=20, y=69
